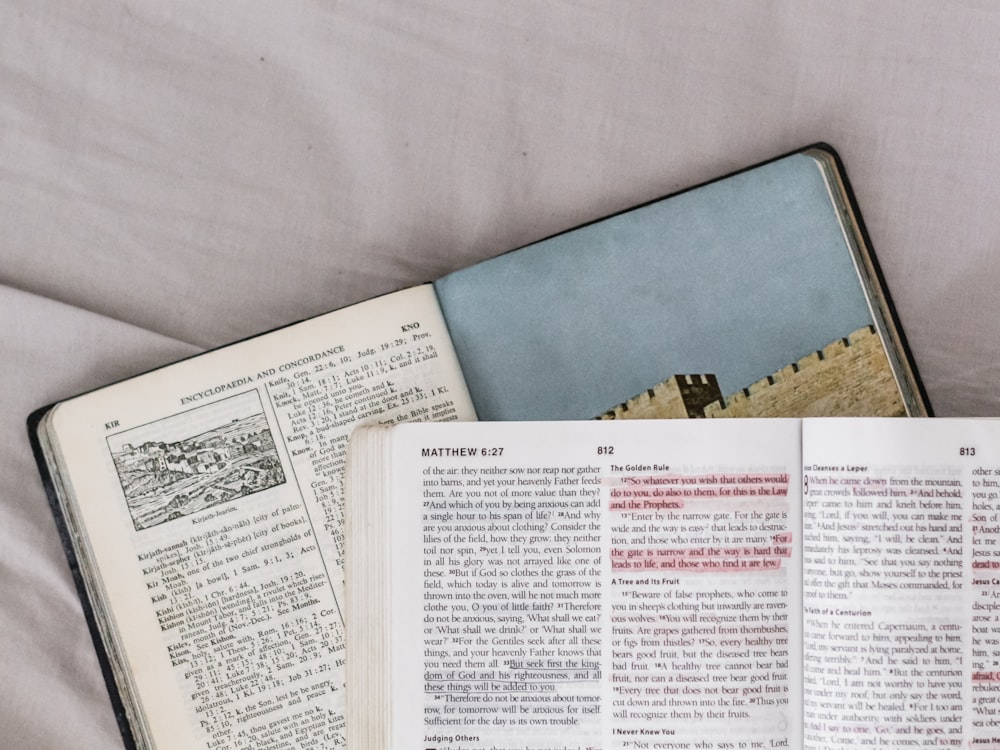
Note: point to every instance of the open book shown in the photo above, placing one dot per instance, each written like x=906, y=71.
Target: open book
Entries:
x=201, y=503
x=812, y=583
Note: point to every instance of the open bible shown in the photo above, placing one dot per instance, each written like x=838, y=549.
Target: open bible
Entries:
x=201, y=504
x=708, y=584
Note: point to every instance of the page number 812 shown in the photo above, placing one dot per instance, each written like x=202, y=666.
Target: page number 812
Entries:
x=605, y=450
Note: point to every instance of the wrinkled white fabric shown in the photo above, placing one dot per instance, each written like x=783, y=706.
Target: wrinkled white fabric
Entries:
x=174, y=176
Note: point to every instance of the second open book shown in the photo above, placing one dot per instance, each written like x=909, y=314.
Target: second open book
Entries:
x=206, y=497
x=674, y=584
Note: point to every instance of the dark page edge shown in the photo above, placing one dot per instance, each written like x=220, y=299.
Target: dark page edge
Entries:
x=117, y=704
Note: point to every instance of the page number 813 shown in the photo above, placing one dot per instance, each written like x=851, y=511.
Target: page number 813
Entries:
x=967, y=450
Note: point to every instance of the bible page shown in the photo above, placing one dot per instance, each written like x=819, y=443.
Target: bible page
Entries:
x=206, y=499
x=901, y=560
x=595, y=585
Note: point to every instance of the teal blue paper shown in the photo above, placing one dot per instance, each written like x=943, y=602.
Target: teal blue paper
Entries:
x=737, y=278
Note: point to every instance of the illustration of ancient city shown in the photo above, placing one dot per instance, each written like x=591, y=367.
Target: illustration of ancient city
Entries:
x=199, y=459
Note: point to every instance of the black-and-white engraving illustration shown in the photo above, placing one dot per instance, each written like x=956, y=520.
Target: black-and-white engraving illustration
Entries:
x=196, y=460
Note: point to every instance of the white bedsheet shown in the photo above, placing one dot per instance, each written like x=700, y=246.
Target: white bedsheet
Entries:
x=174, y=176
